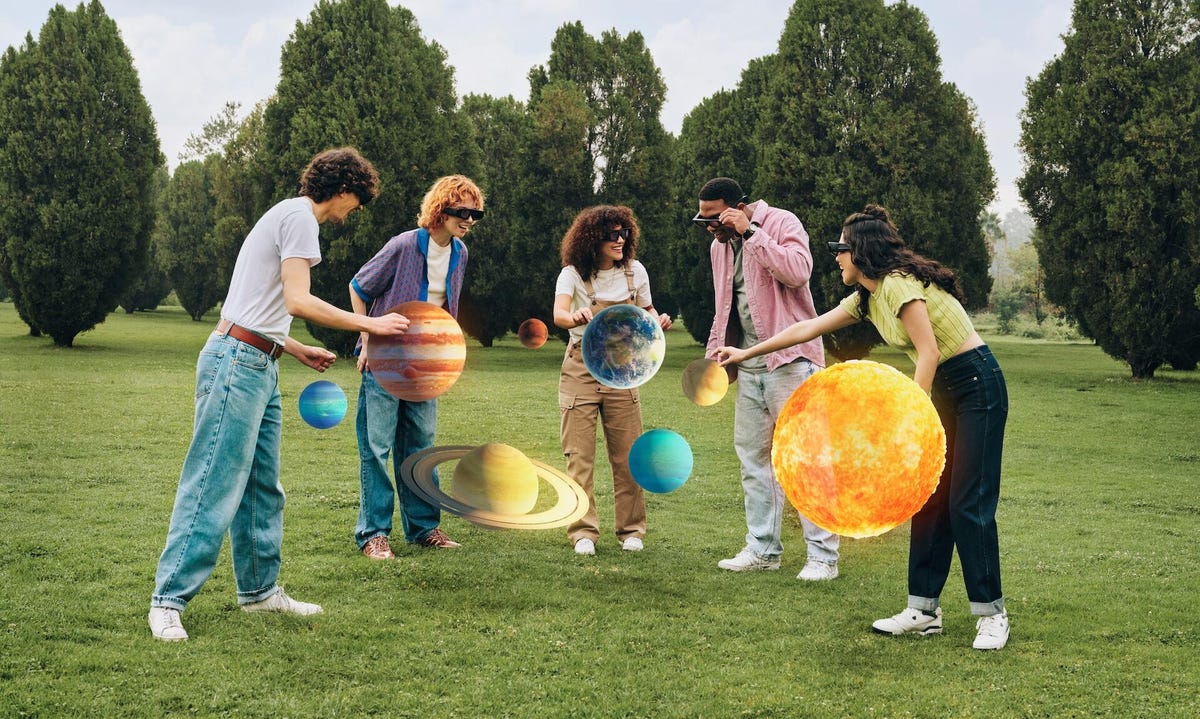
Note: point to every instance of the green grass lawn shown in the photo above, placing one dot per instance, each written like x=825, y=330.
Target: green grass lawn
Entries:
x=1099, y=517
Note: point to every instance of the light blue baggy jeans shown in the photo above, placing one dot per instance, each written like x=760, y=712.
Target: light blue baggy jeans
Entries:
x=388, y=426
x=230, y=479
x=760, y=399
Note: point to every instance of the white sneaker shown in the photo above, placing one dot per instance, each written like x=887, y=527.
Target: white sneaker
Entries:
x=911, y=621
x=585, y=547
x=632, y=544
x=992, y=632
x=165, y=624
x=280, y=602
x=816, y=571
x=747, y=561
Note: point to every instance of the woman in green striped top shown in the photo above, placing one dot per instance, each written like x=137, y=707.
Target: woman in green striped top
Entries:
x=916, y=304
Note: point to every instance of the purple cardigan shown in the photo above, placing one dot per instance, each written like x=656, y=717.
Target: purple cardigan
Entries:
x=399, y=273
x=776, y=267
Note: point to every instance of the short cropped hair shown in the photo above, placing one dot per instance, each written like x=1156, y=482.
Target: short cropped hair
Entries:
x=341, y=169
x=723, y=188
x=448, y=191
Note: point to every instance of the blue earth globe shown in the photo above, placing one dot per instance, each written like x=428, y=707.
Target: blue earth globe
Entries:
x=623, y=346
x=322, y=404
x=660, y=461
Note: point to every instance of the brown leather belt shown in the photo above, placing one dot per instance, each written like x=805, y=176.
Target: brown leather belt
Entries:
x=258, y=342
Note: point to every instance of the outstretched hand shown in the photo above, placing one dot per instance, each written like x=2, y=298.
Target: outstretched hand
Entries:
x=730, y=355
x=664, y=321
x=393, y=323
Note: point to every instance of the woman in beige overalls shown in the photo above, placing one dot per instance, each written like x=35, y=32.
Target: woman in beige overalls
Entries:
x=599, y=270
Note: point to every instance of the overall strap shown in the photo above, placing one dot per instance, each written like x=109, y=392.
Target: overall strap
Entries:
x=632, y=286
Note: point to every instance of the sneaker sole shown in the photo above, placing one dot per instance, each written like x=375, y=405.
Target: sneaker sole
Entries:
x=902, y=632
x=767, y=568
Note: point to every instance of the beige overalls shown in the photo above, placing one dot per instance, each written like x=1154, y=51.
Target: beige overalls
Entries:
x=580, y=399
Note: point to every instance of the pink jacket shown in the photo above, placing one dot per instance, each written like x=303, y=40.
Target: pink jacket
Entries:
x=776, y=267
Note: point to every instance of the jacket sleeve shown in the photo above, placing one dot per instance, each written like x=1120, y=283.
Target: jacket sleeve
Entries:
x=785, y=254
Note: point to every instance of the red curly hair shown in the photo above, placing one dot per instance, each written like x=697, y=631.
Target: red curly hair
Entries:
x=448, y=191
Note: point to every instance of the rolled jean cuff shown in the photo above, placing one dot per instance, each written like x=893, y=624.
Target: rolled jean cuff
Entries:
x=987, y=609
x=168, y=603
x=251, y=597
x=924, y=604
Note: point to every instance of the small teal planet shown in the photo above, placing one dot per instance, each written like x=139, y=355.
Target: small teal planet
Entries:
x=623, y=346
x=322, y=404
x=660, y=461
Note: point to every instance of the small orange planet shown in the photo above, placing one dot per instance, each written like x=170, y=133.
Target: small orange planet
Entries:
x=705, y=382
x=532, y=333
x=423, y=362
x=858, y=448
x=495, y=477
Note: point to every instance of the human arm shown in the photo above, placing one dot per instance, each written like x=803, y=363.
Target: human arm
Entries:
x=318, y=358
x=300, y=302
x=802, y=331
x=780, y=246
x=360, y=308
x=914, y=315
x=565, y=318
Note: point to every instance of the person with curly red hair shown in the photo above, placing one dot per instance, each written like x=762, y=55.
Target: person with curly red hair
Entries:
x=427, y=264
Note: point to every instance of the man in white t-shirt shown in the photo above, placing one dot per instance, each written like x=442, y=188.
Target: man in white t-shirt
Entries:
x=230, y=478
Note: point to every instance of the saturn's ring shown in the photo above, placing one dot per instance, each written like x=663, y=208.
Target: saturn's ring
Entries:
x=417, y=474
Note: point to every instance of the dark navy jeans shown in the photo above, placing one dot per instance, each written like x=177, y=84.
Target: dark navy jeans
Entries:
x=972, y=400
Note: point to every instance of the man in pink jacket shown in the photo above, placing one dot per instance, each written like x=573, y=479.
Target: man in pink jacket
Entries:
x=761, y=266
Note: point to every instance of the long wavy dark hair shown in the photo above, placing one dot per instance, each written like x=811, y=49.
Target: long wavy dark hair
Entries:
x=581, y=245
x=877, y=250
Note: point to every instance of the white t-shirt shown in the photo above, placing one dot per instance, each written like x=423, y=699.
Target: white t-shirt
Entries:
x=437, y=267
x=609, y=285
x=255, y=298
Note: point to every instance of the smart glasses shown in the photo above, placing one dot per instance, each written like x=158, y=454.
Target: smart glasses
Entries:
x=622, y=234
x=706, y=222
x=464, y=213
x=838, y=248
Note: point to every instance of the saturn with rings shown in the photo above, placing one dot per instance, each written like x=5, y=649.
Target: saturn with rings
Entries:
x=494, y=486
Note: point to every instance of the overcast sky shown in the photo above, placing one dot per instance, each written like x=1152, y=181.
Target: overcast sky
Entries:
x=194, y=56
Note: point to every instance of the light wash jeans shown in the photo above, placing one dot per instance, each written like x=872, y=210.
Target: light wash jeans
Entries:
x=387, y=426
x=230, y=479
x=760, y=399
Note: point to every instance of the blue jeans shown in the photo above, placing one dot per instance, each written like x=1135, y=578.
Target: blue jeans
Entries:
x=760, y=399
x=230, y=479
x=972, y=401
x=386, y=426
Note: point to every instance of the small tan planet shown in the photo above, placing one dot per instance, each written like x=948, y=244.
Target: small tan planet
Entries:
x=496, y=478
x=705, y=382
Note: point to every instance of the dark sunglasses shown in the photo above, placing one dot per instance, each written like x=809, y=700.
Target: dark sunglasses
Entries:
x=838, y=248
x=622, y=234
x=706, y=222
x=464, y=213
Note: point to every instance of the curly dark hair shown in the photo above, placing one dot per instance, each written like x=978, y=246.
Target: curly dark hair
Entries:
x=581, y=245
x=341, y=169
x=877, y=250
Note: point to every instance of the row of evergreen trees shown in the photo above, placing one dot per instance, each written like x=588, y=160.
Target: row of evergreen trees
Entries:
x=851, y=109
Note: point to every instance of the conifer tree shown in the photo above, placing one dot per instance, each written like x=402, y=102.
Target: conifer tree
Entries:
x=856, y=111
x=78, y=152
x=358, y=73
x=1111, y=132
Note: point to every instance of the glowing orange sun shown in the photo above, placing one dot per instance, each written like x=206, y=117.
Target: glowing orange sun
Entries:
x=858, y=448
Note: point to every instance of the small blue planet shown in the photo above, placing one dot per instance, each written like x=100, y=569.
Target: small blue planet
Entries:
x=623, y=346
x=660, y=461
x=322, y=404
